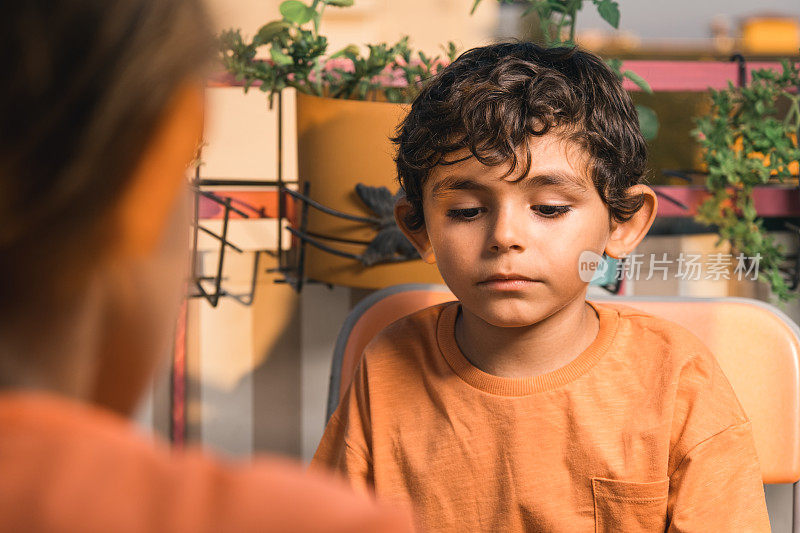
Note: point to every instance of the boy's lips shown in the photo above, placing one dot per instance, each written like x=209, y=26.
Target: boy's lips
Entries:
x=507, y=282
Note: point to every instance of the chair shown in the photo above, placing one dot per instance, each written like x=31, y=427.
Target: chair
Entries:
x=756, y=344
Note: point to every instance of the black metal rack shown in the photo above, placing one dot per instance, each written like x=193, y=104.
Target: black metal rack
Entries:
x=197, y=279
x=200, y=282
x=291, y=264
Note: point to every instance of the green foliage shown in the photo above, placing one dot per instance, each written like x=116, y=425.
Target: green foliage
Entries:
x=557, y=19
x=297, y=58
x=297, y=55
x=648, y=121
x=745, y=144
x=636, y=79
x=609, y=10
x=296, y=12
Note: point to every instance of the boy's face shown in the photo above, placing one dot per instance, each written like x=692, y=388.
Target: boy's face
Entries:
x=509, y=250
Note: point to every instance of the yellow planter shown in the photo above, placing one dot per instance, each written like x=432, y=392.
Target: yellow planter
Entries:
x=341, y=143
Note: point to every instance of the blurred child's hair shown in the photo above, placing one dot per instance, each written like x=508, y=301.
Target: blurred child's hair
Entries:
x=493, y=98
x=84, y=85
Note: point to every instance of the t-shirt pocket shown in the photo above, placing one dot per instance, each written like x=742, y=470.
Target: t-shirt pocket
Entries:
x=629, y=506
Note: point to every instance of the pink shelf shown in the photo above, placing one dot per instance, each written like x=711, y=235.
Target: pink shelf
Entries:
x=669, y=76
x=254, y=200
x=690, y=75
x=771, y=201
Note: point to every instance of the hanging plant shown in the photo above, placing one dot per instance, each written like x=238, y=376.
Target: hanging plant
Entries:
x=746, y=143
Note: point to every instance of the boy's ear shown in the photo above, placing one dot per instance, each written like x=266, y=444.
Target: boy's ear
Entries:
x=419, y=238
x=625, y=236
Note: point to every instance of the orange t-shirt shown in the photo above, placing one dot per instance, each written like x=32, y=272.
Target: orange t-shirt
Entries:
x=640, y=432
x=68, y=467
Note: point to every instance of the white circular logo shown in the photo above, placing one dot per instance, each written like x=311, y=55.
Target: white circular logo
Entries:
x=591, y=266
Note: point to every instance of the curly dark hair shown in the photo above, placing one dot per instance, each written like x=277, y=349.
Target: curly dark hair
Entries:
x=491, y=99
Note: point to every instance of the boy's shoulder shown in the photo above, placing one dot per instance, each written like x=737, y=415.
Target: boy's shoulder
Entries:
x=676, y=365
x=654, y=341
x=654, y=329
x=672, y=363
x=419, y=325
x=415, y=333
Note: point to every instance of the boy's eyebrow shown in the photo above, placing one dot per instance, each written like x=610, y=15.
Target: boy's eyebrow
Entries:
x=560, y=180
x=453, y=183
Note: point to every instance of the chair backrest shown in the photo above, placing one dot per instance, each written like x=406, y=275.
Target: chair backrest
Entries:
x=756, y=344
x=367, y=318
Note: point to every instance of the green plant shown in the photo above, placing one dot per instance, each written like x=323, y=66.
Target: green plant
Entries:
x=557, y=19
x=295, y=56
x=746, y=143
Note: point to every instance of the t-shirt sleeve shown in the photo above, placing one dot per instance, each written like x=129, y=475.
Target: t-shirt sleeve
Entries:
x=715, y=476
x=345, y=446
x=717, y=486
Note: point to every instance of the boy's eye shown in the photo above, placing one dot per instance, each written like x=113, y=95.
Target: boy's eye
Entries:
x=464, y=214
x=551, y=211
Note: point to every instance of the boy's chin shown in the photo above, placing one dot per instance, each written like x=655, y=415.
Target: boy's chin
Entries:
x=508, y=314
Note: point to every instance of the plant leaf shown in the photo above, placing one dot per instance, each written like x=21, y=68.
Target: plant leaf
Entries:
x=279, y=57
x=296, y=11
x=609, y=10
x=270, y=30
x=615, y=64
x=474, y=6
x=339, y=3
x=638, y=80
x=349, y=50
x=648, y=122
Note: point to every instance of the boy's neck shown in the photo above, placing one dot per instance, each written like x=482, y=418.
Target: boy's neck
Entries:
x=515, y=352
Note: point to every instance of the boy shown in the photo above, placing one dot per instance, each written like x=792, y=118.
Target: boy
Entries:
x=523, y=407
x=102, y=111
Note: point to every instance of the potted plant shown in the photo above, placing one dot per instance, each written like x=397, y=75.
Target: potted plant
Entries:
x=747, y=143
x=348, y=104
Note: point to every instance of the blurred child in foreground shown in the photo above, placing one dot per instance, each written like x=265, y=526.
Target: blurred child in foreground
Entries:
x=102, y=110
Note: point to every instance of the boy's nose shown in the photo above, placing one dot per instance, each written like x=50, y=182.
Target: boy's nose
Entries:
x=506, y=233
